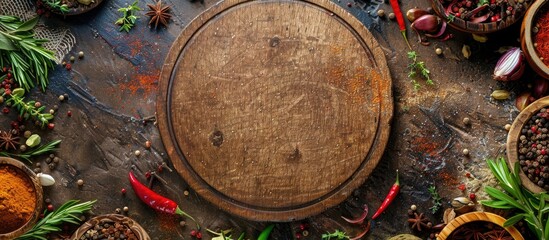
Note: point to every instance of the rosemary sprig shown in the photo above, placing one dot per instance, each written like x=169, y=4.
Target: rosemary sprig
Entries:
x=339, y=235
x=418, y=67
x=437, y=200
x=56, y=5
x=66, y=213
x=28, y=109
x=24, y=53
x=530, y=207
x=46, y=148
x=127, y=21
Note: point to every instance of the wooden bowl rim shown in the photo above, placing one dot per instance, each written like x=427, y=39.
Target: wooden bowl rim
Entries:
x=461, y=24
x=475, y=217
x=514, y=134
x=38, y=192
x=132, y=225
x=527, y=24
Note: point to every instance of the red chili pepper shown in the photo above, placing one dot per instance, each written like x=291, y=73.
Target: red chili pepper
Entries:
x=400, y=20
x=155, y=200
x=390, y=197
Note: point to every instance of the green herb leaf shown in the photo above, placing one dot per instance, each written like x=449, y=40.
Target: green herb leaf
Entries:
x=498, y=204
x=27, y=26
x=512, y=220
x=66, y=213
x=6, y=44
x=497, y=194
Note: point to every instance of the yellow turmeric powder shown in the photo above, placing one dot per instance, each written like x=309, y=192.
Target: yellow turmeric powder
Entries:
x=17, y=198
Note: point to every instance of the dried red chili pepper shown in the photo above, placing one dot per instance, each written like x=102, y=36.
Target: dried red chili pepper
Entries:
x=390, y=197
x=155, y=200
x=400, y=20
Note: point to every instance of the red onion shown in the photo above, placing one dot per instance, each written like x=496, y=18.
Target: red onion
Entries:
x=426, y=23
x=440, y=31
x=510, y=66
x=415, y=13
x=540, y=87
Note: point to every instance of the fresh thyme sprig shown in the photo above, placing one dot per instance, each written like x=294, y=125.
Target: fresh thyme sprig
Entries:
x=46, y=148
x=530, y=207
x=128, y=20
x=437, y=200
x=418, y=67
x=339, y=235
x=66, y=213
x=56, y=5
x=28, y=109
x=19, y=48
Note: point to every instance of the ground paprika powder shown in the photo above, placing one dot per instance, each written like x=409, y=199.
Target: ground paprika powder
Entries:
x=17, y=198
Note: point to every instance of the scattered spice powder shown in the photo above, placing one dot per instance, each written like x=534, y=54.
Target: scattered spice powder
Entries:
x=145, y=82
x=17, y=198
x=541, y=36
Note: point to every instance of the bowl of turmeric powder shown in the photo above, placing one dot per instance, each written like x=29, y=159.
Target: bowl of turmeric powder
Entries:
x=20, y=198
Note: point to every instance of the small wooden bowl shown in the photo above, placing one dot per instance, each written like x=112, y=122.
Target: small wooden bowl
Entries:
x=526, y=39
x=513, y=138
x=38, y=194
x=139, y=232
x=470, y=27
x=474, y=217
x=78, y=10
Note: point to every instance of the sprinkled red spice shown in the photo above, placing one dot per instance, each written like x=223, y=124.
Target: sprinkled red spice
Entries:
x=461, y=187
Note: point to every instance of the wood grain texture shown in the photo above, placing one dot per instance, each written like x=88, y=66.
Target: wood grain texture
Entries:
x=474, y=217
x=139, y=232
x=39, y=198
x=275, y=110
x=527, y=43
x=513, y=138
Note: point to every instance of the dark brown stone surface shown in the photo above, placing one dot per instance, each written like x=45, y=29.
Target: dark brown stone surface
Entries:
x=112, y=93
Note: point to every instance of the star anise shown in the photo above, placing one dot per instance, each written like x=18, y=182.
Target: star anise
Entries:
x=498, y=235
x=158, y=14
x=8, y=140
x=419, y=221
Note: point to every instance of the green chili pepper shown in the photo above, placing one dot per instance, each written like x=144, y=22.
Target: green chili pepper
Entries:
x=264, y=235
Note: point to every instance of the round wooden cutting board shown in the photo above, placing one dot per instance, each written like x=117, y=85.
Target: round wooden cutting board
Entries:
x=275, y=110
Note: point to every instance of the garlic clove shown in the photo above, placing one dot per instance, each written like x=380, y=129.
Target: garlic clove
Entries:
x=45, y=179
x=460, y=202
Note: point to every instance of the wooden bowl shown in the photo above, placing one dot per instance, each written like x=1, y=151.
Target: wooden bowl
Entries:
x=474, y=217
x=513, y=137
x=139, y=232
x=527, y=43
x=78, y=10
x=478, y=28
x=38, y=194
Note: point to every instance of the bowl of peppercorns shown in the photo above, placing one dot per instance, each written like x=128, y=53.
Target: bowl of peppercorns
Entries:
x=528, y=146
x=110, y=226
x=480, y=16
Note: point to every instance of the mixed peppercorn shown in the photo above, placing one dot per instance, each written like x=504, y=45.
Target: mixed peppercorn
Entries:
x=532, y=148
x=109, y=230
